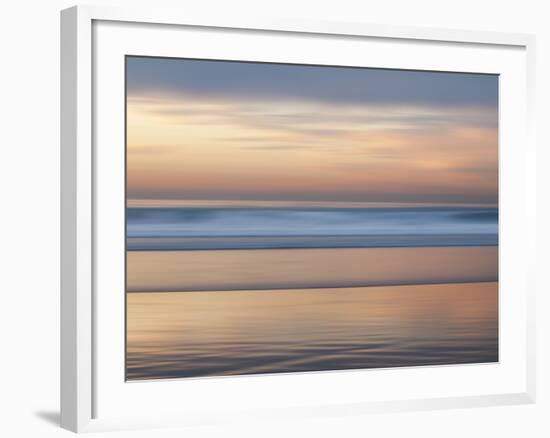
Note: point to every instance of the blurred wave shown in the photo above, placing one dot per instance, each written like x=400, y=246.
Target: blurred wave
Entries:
x=302, y=227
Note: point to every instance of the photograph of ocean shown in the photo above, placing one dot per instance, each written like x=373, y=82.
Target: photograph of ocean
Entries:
x=301, y=218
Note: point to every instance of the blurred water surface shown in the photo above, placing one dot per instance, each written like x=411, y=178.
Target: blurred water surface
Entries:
x=240, y=227
x=191, y=334
x=307, y=268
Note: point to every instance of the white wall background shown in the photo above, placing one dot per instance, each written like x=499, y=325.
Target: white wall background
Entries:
x=29, y=218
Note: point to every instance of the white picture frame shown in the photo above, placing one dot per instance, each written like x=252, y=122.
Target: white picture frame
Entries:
x=86, y=376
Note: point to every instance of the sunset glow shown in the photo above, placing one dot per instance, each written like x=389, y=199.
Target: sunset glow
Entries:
x=215, y=136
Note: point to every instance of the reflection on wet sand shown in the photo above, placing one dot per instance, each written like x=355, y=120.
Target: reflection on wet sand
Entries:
x=186, y=334
x=307, y=268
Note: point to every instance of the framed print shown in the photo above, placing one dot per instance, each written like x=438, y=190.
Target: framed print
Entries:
x=291, y=218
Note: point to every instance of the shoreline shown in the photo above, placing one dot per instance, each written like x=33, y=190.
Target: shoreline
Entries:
x=316, y=288
x=236, y=243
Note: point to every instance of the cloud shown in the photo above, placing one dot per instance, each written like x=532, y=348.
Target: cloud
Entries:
x=335, y=85
x=316, y=119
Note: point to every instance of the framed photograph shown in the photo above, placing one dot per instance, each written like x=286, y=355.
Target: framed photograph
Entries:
x=286, y=218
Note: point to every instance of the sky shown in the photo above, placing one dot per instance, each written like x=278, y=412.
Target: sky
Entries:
x=221, y=130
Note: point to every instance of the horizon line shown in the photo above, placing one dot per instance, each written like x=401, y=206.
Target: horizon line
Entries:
x=235, y=203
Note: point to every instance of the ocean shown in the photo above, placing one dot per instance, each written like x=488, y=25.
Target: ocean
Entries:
x=245, y=289
x=204, y=228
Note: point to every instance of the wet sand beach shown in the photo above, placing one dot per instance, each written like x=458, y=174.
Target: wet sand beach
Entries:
x=192, y=334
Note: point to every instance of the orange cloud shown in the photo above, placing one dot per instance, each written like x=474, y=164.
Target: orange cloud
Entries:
x=184, y=147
